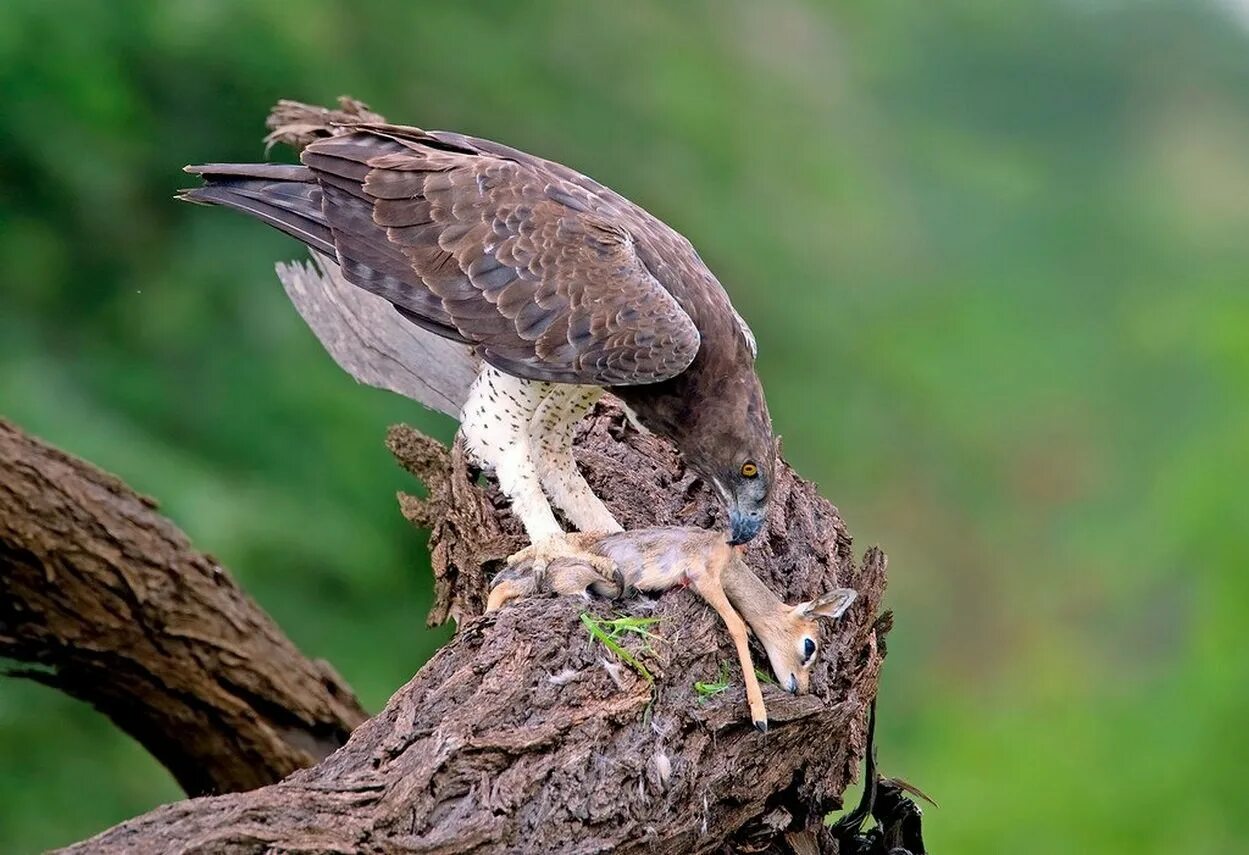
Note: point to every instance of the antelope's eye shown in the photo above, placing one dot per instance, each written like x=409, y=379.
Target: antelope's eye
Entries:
x=808, y=649
x=749, y=470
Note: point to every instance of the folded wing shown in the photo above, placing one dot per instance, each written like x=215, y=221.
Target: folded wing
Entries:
x=515, y=256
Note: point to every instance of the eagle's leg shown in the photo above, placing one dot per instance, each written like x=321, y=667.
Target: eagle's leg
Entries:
x=550, y=431
x=495, y=424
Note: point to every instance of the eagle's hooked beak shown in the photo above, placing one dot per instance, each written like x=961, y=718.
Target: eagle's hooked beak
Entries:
x=743, y=525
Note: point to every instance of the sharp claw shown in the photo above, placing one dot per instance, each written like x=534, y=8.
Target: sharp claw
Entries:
x=622, y=587
x=573, y=545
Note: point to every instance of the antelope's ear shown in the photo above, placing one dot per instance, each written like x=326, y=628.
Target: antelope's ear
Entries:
x=830, y=605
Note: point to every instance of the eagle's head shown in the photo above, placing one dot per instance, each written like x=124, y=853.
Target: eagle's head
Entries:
x=716, y=415
x=728, y=440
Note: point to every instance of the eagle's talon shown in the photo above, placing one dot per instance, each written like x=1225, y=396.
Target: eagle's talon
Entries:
x=624, y=590
x=572, y=546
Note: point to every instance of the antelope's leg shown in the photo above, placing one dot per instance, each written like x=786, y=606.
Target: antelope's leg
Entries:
x=564, y=576
x=505, y=591
x=711, y=591
x=573, y=576
x=511, y=583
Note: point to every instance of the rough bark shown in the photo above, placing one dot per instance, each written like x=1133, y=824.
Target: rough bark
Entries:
x=524, y=735
x=107, y=601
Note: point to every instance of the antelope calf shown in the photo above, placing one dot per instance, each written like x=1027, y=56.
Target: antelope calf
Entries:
x=657, y=559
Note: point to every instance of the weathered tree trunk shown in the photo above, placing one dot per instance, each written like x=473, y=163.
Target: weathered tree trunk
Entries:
x=112, y=605
x=524, y=735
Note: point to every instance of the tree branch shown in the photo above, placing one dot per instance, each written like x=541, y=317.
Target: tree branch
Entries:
x=108, y=602
x=522, y=734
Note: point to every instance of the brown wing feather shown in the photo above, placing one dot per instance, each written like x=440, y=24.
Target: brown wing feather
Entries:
x=521, y=260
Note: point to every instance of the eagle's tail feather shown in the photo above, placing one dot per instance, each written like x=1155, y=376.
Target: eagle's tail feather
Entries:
x=297, y=125
x=284, y=196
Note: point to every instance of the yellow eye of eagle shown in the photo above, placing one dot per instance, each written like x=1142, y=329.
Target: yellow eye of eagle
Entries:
x=749, y=470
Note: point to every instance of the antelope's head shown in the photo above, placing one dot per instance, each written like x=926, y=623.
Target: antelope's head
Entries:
x=791, y=636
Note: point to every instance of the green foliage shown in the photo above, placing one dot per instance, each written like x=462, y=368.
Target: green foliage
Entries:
x=611, y=631
x=994, y=254
x=709, y=689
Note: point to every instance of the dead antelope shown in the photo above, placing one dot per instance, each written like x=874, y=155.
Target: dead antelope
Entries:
x=657, y=559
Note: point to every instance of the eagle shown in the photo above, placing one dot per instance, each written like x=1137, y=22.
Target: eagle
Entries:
x=560, y=286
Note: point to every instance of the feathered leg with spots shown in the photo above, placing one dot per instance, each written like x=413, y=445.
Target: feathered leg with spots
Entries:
x=522, y=431
x=550, y=432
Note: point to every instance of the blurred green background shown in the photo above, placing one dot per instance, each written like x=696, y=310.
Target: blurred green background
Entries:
x=995, y=254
